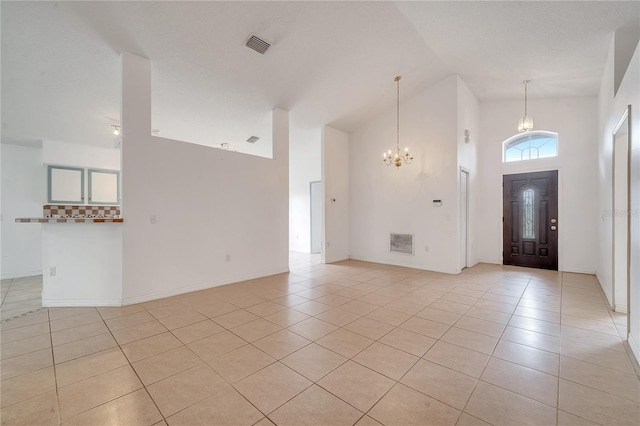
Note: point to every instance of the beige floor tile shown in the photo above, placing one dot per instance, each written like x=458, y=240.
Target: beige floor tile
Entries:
x=502, y=407
x=118, y=311
x=265, y=308
x=468, y=420
x=608, y=380
x=24, y=346
x=425, y=327
x=123, y=321
x=368, y=421
x=357, y=385
x=338, y=317
x=377, y=299
x=184, y=389
x=217, y=309
x=92, y=392
x=408, y=341
x=311, y=308
x=88, y=366
x=597, y=406
x=459, y=298
x=525, y=381
x=536, y=304
x=246, y=300
x=255, y=330
x=596, y=355
x=26, y=332
x=290, y=300
x=60, y=313
x=27, y=386
x=30, y=319
x=345, y=342
x=216, y=345
x=538, y=314
x=313, y=328
x=165, y=307
x=450, y=306
x=281, y=343
x=545, y=342
x=138, y=332
x=386, y=360
x=272, y=386
x=314, y=361
x=496, y=305
x=488, y=315
x=26, y=363
x=226, y=407
x=240, y=363
x=607, y=327
x=135, y=408
x=405, y=406
x=197, y=331
x=144, y=348
x=477, y=325
x=470, y=340
x=80, y=348
x=75, y=321
x=333, y=300
x=235, y=318
x=457, y=358
x=359, y=308
x=445, y=385
x=568, y=419
x=313, y=407
x=547, y=362
x=77, y=333
x=387, y=316
x=438, y=315
x=370, y=328
x=592, y=338
x=265, y=422
x=182, y=320
x=286, y=317
x=532, y=324
x=158, y=367
x=41, y=410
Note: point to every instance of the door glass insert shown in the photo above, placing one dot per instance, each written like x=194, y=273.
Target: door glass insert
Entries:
x=528, y=217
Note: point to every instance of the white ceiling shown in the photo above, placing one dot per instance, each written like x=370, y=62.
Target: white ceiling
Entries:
x=331, y=62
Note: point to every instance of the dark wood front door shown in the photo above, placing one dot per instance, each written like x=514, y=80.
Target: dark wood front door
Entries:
x=530, y=229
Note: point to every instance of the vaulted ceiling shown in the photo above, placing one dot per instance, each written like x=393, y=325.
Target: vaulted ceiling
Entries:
x=330, y=63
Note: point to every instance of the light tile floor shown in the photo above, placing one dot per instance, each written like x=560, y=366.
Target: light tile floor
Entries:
x=19, y=296
x=340, y=344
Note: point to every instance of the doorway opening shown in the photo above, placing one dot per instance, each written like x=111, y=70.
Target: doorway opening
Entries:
x=464, y=218
x=316, y=213
x=530, y=220
x=621, y=219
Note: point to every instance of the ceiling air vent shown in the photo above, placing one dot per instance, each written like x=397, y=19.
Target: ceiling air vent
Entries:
x=257, y=44
x=253, y=139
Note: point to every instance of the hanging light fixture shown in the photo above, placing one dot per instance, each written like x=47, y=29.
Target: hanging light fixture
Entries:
x=389, y=157
x=116, y=129
x=526, y=123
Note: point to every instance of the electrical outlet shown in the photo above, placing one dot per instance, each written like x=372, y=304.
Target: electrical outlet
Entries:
x=52, y=271
x=228, y=258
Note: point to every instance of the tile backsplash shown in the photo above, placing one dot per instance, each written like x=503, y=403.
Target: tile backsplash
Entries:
x=51, y=210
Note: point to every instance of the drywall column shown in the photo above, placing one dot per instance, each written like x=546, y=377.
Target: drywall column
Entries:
x=335, y=175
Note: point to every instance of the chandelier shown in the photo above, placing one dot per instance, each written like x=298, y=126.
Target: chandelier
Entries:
x=526, y=123
x=389, y=157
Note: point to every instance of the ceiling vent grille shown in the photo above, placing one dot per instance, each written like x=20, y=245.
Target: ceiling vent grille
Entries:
x=257, y=44
x=253, y=139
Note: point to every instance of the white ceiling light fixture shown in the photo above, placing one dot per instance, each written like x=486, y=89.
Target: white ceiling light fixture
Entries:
x=388, y=157
x=116, y=129
x=526, y=123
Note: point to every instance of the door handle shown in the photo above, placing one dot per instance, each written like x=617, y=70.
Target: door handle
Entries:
x=553, y=227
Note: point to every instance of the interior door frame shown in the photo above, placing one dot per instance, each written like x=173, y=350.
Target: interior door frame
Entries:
x=626, y=116
x=468, y=173
x=311, y=205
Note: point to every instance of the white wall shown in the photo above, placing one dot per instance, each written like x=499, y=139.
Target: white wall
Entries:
x=23, y=194
x=76, y=155
x=610, y=109
x=335, y=175
x=208, y=203
x=575, y=121
x=304, y=167
x=385, y=200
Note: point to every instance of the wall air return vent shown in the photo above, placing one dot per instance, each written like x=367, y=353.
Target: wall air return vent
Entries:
x=253, y=139
x=257, y=44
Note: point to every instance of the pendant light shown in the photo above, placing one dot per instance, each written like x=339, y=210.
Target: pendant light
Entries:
x=526, y=123
x=389, y=157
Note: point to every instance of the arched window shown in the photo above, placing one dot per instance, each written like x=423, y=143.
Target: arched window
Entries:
x=529, y=146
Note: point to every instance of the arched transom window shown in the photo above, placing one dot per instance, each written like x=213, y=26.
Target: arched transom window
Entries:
x=529, y=146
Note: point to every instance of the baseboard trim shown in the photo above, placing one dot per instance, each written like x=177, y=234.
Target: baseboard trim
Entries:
x=634, y=354
x=607, y=291
x=579, y=271
x=73, y=303
x=182, y=290
x=621, y=308
x=405, y=265
x=20, y=275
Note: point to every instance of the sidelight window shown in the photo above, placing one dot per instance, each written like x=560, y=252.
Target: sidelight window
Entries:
x=528, y=216
x=529, y=146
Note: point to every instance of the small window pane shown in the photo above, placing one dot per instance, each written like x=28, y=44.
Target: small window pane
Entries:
x=528, y=213
x=530, y=146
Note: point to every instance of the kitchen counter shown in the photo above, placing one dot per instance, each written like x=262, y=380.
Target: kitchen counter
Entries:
x=69, y=220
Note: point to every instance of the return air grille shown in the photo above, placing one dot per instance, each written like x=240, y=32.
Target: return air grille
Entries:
x=253, y=139
x=257, y=44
